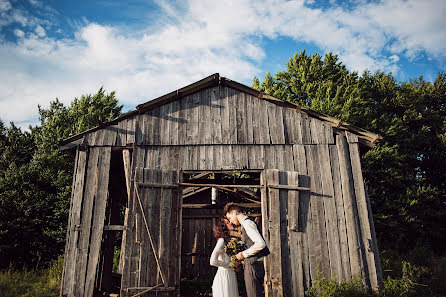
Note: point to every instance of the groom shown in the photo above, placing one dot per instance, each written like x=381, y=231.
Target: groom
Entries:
x=254, y=271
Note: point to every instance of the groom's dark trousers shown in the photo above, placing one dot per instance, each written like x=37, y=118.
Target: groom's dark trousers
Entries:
x=254, y=274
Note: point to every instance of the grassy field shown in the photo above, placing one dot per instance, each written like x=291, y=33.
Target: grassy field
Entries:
x=32, y=283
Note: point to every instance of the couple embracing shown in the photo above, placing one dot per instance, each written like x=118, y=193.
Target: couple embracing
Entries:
x=229, y=253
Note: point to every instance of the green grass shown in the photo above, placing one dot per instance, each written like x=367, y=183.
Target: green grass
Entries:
x=417, y=273
x=31, y=283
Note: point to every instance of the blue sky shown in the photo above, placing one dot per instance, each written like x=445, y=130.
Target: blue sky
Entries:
x=144, y=49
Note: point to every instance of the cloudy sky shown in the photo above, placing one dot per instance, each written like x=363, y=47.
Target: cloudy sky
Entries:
x=144, y=49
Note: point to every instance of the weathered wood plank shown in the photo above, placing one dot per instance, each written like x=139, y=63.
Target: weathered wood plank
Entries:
x=87, y=212
x=99, y=137
x=264, y=128
x=240, y=113
x=225, y=115
x=128, y=275
x=77, y=195
x=265, y=201
x=121, y=137
x=206, y=121
x=314, y=127
x=275, y=258
x=175, y=122
x=289, y=120
x=227, y=157
x=348, y=193
x=351, y=138
x=280, y=124
x=138, y=228
x=329, y=134
x=97, y=227
x=110, y=135
x=249, y=106
x=306, y=130
x=342, y=231
x=156, y=126
x=282, y=212
x=299, y=128
x=126, y=158
x=216, y=116
x=295, y=239
x=165, y=232
x=270, y=157
x=182, y=121
x=149, y=120
x=287, y=153
x=304, y=224
x=363, y=214
x=218, y=157
x=374, y=242
x=256, y=120
x=131, y=130
x=164, y=123
x=317, y=212
x=331, y=221
x=273, y=123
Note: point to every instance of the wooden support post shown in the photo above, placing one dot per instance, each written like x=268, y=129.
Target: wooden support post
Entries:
x=214, y=195
x=127, y=164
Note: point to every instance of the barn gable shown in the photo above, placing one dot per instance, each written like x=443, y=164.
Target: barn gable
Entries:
x=216, y=110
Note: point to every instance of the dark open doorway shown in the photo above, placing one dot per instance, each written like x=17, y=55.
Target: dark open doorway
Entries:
x=204, y=196
x=108, y=281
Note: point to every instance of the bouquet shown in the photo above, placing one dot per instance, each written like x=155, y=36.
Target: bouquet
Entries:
x=232, y=248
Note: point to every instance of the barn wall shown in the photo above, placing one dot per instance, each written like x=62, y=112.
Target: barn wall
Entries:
x=219, y=115
x=337, y=237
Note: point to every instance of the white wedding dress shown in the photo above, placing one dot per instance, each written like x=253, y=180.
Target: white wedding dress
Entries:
x=225, y=281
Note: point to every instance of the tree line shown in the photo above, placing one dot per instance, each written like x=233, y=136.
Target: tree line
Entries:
x=405, y=172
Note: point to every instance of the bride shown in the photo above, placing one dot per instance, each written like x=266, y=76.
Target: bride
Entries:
x=225, y=281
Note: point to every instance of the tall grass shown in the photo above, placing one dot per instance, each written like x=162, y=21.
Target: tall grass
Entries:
x=419, y=272
x=31, y=283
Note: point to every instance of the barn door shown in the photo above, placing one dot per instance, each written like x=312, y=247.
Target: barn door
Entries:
x=86, y=221
x=283, y=231
x=154, y=248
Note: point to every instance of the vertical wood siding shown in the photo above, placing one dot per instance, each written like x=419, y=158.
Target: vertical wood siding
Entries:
x=219, y=115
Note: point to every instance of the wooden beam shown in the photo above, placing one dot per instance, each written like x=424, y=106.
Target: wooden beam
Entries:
x=156, y=185
x=219, y=186
x=208, y=205
x=289, y=187
x=114, y=228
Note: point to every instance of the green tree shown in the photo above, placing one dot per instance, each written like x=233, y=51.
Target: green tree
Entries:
x=35, y=192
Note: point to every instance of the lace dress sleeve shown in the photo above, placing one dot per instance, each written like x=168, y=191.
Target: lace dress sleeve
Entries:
x=219, y=250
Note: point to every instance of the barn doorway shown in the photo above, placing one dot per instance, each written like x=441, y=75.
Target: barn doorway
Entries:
x=204, y=196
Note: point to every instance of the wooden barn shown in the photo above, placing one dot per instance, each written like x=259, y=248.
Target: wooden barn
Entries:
x=151, y=183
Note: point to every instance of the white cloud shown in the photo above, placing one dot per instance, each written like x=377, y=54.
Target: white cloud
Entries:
x=195, y=39
x=40, y=31
x=19, y=33
x=4, y=5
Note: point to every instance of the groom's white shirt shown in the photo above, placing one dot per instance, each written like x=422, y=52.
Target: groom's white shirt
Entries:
x=256, y=237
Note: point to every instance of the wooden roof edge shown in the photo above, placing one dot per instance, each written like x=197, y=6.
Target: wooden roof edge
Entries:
x=215, y=79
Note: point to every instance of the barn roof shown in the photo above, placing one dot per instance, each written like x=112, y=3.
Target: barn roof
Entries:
x=365, y=137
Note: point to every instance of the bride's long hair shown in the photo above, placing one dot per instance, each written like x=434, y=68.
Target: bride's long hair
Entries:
x=221, y=230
